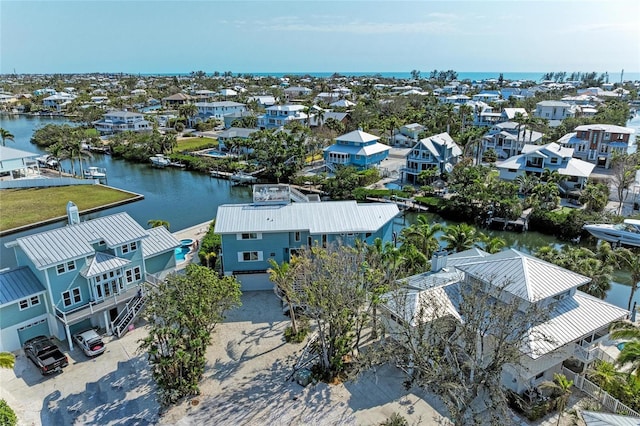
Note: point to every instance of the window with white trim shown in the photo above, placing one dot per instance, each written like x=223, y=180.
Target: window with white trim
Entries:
x=62, y=268
x=250, y=256
x=134, y=274
x=129, y=247
x=250, y=236
x=71, y=297
x=296, y=236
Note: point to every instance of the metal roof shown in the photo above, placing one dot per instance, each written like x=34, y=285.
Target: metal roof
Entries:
x=159, y=241
x=594, y=418
x=524, y=276
x=17, y=284
x=333, y=217
x=74, y=241
x=357, y=136
x=7, y=153
x=101, y=263
x=571, y=319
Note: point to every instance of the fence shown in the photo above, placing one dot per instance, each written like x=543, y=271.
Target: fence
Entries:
x=593, y=390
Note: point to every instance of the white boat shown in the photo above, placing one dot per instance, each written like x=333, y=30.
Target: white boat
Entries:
x=626, y=233
x=241, y=178
x=47, y=161
x=95, y=173
x=159, y=160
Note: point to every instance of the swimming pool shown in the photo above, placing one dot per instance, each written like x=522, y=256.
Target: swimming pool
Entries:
x=181, y=253
x=215, y=153
x=186, y=242
x=620, y=346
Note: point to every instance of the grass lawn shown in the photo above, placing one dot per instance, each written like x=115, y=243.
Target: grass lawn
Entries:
x=194, y=144
x=22, y=207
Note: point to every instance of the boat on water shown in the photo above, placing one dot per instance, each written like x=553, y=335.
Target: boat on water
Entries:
x=242, y=178
x=159, y=160
x=626, y=233
x=47, y=161
x=94, y=173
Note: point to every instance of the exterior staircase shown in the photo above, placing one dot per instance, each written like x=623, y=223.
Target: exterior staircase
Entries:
x=298, y=196
x=121, y=324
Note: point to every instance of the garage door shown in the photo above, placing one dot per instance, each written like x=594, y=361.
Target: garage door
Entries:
x=254, y=282
x=38, y=328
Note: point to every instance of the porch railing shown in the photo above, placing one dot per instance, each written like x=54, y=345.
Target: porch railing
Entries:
x=603, y=397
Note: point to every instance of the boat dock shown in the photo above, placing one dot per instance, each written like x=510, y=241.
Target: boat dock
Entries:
x=521, y=224
x=403, y=203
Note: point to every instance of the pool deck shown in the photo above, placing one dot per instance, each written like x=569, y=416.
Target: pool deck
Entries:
x=196, y=233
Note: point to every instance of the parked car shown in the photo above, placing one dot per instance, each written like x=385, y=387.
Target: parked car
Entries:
x=45, y=354
x=90, y=342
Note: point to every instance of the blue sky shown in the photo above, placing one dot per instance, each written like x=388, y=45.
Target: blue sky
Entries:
x=321, y=36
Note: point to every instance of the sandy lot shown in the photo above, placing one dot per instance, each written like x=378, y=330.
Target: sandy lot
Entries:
x=246, y=383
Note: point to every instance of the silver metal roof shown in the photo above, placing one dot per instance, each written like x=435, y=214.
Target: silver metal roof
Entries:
x=159, y=241
x=101, y=263
x=74, y=241
x=332, y=217
x=17, y=284
x=571, y=319
x=594, y=418
x=524, y=276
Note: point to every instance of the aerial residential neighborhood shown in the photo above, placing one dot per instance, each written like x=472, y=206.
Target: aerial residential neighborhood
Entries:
x=358, y=225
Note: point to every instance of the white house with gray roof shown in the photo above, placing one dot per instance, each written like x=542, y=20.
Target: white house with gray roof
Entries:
x=571, y=332
x=598, y=143
x=122, y=121
x=274, y=228
x=219, y=109
x=438, y=151
x=86, y=274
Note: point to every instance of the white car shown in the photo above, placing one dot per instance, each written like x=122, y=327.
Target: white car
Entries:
x=90, y=342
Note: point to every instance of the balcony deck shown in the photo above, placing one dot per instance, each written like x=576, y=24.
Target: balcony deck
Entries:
x=86, y=311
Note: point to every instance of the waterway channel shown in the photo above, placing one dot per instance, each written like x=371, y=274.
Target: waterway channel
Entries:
x=186, y=198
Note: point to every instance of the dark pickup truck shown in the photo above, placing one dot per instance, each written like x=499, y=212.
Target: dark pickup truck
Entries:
x=45, y=354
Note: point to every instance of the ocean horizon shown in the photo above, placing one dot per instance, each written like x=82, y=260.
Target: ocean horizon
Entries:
x=614, y=77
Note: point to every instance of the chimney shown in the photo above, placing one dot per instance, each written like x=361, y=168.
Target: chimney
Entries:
x=438, y=260
x=72, y=213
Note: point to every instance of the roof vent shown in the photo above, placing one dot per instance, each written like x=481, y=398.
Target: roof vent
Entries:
x=72, y=213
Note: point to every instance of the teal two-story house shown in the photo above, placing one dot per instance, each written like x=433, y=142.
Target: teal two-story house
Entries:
x=273, y=227
x=358, y=149
x=85, y=274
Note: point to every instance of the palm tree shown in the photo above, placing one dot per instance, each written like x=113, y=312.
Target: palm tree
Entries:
x=281, y=275
x=460, y=237
x=75, y=149
x=630, y=261
x=6, y=136
x=492, y=244
x=630, y=354
x=561, y=386
x=155, y=223
x=57, y=152
x=7, y=360
x=320, y=117
x=188, y=111
x=422, y=235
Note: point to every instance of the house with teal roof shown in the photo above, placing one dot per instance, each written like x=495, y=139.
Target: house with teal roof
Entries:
x=86, y=274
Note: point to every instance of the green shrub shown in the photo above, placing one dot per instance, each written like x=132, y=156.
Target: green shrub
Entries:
x=7, y=415
x=395, y=420
x=291, y=337
x=211, y=243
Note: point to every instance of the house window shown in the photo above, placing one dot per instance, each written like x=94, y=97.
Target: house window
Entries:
x=66, y=267
x=250, y=236
x=132, y=275
x=554, y=160
x=539, y=376
x=129, y=247
x=296, y=236
x=66, y=298
x=24, y=304
x=250, y=256
x=34, y=300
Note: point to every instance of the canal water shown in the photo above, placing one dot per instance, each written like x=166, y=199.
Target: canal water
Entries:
x=185, y=198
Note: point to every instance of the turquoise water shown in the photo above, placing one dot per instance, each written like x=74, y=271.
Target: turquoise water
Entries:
x=620, y=346
x=216, y=153
x=181, y=252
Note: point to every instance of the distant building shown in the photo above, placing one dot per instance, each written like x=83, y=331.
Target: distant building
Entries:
x=359, y=149
x=122, y=121
x=176, y=99
x=278, y=115
x=508, y=138
x=554, y=110
x=408, y=135
x=219, y=109
x=597, y=143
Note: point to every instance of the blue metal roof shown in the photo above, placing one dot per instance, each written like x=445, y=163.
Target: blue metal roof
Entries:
x=17, y=284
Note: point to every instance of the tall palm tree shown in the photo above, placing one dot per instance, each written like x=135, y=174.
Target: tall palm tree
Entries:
x=560, y=386
x=460, y=237
x=156, y=223
x=7, y=360
x=491, y=244
x=75, y=149
x=630, y=354
x=282, y=276
x=57, y=152
x=422, y=235
x=188, y=111
x=320, y=117
x=6, y=136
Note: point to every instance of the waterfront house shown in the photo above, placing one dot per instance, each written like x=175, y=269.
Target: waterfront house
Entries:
x=273, y=227
x=508, y=139
x=509, y=114
x=122, y=121
x=437, y=151
x=296, y=91
x=233, y=133
x=85, y=274
x=341, y=117
x=219, y=109
x=262, y=100
x=570, y=333
x=15, y=163
x=598, y=143
x=359, y=149
x=535, y=159
x=58, y=101
x=278, y=115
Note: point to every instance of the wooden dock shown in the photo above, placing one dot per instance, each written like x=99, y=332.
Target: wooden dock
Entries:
x=402, y=203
